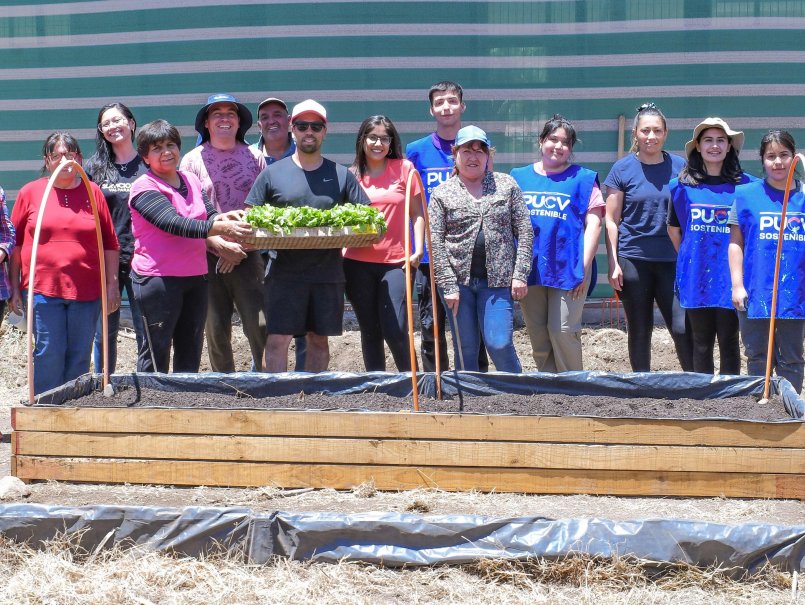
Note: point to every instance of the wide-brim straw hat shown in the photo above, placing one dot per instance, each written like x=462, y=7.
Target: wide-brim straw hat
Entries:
x=736, y=136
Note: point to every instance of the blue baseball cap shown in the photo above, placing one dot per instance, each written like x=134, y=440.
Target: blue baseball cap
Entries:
x=471, y=133
x=244, y=114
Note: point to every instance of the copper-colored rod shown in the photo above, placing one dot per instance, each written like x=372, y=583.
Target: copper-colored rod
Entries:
x=409, y=300
x=32, y=273
x=775, y=283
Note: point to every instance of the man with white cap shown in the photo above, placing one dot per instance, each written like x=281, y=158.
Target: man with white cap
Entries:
x=304, y=289
x=227, y=167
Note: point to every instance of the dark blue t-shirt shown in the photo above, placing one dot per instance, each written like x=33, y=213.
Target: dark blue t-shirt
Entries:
x=642, y=234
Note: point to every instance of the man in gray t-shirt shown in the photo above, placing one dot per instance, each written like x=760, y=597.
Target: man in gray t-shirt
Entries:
x=304, y=289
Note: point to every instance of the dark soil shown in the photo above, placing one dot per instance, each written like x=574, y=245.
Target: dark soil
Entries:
x=541, y=404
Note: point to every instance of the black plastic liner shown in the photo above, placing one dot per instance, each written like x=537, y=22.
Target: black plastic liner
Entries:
x=394, y=539
x=657, y=385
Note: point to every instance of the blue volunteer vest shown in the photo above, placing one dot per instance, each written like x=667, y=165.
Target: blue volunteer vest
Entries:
x=759, y=209
x=702, y=267
x=434, y=166
x=557, y=204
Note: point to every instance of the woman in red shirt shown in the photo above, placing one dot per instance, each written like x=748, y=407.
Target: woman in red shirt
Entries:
x=375, y=274
x=67, y=290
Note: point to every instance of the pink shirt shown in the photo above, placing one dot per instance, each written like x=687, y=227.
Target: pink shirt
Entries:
x=226, y=176
x=157, y=252
x=387, y=193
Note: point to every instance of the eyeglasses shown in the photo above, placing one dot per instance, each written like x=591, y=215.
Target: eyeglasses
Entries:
x=373, y=139
x=56, y=157
x=112, y=123
x=302, y=126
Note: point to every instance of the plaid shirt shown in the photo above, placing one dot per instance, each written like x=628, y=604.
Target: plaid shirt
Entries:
x=7, y=238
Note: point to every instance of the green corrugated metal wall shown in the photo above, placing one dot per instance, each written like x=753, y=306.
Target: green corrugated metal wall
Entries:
x=519, y=62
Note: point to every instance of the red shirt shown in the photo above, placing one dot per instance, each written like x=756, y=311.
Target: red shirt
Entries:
x=387, y=193
x=67, y=261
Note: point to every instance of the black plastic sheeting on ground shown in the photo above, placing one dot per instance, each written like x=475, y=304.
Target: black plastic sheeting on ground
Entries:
x=395, y=539
x=657, y=385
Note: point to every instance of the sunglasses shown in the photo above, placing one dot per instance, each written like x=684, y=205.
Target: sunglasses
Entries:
x=302, y=126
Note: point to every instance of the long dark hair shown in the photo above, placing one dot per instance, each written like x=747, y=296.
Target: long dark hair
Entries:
x=60, y=136
x=695, y=171
x=100, y=166
x=395, y=148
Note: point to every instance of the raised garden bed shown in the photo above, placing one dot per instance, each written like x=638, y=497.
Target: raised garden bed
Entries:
x=247, y=445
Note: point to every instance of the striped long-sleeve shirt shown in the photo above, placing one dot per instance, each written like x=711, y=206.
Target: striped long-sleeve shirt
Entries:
x=158, y=210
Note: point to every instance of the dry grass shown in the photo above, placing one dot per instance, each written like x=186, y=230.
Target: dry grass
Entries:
x=626, y=573
x=61, y=572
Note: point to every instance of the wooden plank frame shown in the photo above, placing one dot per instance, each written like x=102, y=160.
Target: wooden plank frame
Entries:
x=455, y=452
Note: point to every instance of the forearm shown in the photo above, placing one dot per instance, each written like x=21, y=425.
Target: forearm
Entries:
x=419, y=234
x=157, y=210
x=675, y=234
x=736, y=261
x=14, y=264
x=611, y=242
x=592, y=235
x=111, y=260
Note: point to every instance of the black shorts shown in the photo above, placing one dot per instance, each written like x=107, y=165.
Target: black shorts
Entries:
x=296, y=308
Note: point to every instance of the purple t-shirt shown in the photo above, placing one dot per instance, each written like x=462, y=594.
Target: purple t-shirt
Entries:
x=226, y=176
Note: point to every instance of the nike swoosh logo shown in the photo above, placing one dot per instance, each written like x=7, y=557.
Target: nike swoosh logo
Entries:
x=326, y=180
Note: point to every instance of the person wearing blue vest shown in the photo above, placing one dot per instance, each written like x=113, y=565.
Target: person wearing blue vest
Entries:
x=432, y=156
x=566, y=207
x=642, y=259
x=701, y=199
x=754, y=232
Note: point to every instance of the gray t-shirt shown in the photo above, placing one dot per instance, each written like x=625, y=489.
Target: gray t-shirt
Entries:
x=283, y=183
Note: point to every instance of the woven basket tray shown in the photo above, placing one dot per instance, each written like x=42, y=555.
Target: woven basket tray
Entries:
x=312, y=238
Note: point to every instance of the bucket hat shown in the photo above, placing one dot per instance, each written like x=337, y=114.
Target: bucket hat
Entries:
x=736, y=136
x=243, y=113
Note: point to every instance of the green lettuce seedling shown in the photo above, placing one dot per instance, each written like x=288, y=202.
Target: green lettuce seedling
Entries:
x=283, y=220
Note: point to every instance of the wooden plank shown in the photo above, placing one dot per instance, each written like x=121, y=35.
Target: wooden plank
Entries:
x=413, y=452
x=413, y=426
x=629, y=483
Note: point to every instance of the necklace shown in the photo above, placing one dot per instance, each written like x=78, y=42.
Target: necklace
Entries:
x=123, y=167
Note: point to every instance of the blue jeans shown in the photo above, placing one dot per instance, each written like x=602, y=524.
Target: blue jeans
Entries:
x=487, y=311
x=124, y=279
x=63, y=332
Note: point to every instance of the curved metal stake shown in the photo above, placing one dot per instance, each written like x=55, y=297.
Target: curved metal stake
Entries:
x=32, y=274
x=409, y=298
x=775, y=283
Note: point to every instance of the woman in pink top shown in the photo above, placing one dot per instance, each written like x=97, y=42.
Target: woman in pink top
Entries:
x=375, y=275
x=170, y=219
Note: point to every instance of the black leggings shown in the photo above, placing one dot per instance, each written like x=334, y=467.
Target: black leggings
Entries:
x=173, y=311
x=706, y=324
x=377, y=293
x=643, y=283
